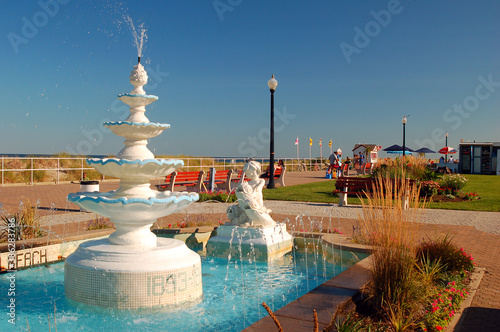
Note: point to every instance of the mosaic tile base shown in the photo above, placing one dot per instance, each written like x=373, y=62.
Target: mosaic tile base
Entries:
x=111, y=276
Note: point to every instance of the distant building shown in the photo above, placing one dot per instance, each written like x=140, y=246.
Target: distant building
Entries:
x=479, y=158
x=370, y=151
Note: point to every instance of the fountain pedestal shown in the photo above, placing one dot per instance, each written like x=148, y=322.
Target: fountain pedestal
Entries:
x=252, y=233
x=261, y=244
x=112, y=276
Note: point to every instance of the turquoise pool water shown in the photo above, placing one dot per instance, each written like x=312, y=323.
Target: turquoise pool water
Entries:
x=233, y=293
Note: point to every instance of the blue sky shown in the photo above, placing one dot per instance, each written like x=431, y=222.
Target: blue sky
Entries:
x=347, y=71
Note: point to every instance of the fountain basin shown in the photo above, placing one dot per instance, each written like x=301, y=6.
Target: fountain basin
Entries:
x=232, y=295
x=135, y=100
x=135, y=169
x=130, y=209
x=133, y=216
x=100, y=273
x=136, y=130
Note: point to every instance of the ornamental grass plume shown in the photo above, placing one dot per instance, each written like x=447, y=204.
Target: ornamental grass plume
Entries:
x=392, y=230
x=273, y=316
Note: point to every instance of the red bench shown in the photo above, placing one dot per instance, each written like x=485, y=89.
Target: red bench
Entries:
x=367, y=168
x=279, y=176
x=239, y=177
x=352, y=185
x=222, y=179
x=193, y=181
x=345, y=169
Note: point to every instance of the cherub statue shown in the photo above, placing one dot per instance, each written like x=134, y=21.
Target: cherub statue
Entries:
x=250, y=211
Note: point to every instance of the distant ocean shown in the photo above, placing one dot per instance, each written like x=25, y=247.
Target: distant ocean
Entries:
x=239, y=160
x=236, y=160
x=38, y=155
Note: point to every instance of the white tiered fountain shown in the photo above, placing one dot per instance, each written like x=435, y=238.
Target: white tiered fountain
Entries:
x=133, y=268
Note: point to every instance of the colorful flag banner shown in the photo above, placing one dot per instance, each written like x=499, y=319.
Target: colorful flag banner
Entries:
x=330, y=143
x=310, y=141
x=297, y=141
x=320, y=142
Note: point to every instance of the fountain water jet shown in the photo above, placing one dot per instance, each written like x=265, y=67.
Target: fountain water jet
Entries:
x=133, y=268
x=139, y=38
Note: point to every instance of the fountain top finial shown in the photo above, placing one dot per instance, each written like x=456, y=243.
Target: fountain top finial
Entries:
x=138, y=78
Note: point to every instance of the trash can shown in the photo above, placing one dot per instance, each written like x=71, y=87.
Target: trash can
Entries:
x=89, y=186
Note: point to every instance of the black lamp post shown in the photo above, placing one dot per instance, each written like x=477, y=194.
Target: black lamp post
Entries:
x=446, y=144
x=404, y=133
x=272, y=83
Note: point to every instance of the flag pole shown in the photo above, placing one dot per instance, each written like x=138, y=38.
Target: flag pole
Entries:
x=310, y=146
x=297, y=143
x=321, y=150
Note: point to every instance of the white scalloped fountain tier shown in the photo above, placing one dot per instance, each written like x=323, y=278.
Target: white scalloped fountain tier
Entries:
x=133, y=268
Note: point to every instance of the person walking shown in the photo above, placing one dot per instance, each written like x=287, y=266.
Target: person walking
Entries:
x=361, y=160
x=333, y=162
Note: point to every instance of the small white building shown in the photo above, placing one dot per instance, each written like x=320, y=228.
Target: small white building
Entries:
x=369, y=151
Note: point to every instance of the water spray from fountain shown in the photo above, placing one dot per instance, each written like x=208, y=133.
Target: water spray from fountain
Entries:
x=139, y=35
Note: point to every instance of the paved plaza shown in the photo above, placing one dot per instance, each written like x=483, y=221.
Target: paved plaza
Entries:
x=477, y=232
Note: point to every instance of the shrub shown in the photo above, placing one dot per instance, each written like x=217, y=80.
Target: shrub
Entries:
x=429, y=174
x=443, y=250
x=189, y=221
x=220, y=196
x=453, y=181
x=205, y=196
x=410, y=166
x=429, y=188
x=430, y=270
x=39, y=176
x=472, y=196
x=99, y=223
x=27, y=224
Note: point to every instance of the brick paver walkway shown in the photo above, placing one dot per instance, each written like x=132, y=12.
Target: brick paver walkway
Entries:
x=476, y=232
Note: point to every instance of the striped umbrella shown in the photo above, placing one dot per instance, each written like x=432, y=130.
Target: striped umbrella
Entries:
x=447, y=150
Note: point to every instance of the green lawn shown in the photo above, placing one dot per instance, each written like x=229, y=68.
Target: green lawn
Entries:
x=487, y=186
